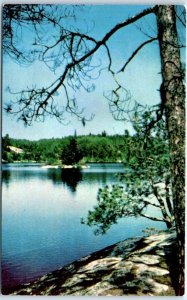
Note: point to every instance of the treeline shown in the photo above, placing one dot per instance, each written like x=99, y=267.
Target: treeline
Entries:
x=73, y=149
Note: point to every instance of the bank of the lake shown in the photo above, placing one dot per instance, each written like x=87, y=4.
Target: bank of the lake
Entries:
x=137, y=266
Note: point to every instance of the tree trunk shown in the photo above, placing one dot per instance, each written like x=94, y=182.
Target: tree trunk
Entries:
x=173, y=98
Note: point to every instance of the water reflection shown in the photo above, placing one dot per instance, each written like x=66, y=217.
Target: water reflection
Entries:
x=70, y=177
x=41, y=225
x=6, y=177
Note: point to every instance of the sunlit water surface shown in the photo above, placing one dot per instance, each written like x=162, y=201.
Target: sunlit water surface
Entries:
x=42, y=208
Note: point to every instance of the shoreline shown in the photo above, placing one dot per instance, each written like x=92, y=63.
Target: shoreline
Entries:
x=65, y=167
x=86, y=164
x=136, y=266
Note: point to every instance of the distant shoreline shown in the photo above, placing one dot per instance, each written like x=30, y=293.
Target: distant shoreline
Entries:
x=45, y=166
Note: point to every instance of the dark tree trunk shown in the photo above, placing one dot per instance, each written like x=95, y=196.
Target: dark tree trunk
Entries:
x=173, y=97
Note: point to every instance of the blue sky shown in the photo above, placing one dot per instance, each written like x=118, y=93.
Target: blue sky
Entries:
x=142, y=76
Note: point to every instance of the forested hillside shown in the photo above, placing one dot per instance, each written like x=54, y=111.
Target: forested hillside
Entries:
x=91, y=148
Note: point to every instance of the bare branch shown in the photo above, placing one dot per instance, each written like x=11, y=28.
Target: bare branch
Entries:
x=181, y=16
x=76, y=50
x=135, y=52
x=160, y=200
x=147, y=202
x=152, y=218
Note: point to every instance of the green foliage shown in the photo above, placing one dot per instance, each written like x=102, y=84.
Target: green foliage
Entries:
x=147, y=184
x=6, y=141
x=112, y=203
x=9, y=157
x=104, y=133
x=94, y=148
x=71, y=154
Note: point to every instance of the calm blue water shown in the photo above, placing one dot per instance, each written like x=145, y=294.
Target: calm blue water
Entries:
x=41, y=229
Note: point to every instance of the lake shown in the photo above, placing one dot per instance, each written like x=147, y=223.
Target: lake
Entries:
x=41, y=212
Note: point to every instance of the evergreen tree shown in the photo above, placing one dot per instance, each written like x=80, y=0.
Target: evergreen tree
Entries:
x=71, y=153
x=147, y=184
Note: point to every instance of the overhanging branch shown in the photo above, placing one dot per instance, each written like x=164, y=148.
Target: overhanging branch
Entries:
x=136, y=51
x=152, y=218
x=78, y=64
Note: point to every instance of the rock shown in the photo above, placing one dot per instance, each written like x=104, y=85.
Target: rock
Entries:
x=141, y=266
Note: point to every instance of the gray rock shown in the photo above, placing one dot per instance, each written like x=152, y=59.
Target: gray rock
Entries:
x=141, y=266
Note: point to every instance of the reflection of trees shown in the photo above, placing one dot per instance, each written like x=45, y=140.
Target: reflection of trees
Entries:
x=6, y=175
x=95, y=177
x=71, y=177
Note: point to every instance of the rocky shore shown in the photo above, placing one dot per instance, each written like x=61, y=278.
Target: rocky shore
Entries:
x=138, y=266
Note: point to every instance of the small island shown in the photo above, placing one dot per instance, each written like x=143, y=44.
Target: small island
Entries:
x=75, y=150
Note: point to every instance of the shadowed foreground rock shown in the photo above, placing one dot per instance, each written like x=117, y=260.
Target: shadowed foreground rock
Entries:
x=141, y=266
